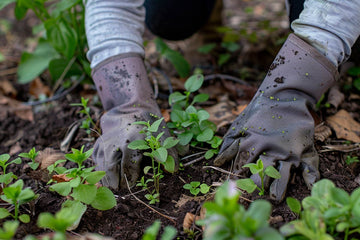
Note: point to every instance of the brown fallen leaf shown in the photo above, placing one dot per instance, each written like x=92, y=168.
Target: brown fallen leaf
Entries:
x=9, y=105
x=335, y=97
x=61, y=178
x=7, y=88
x=322, y=132
x=48, y=157
x=345, y=126
x=37, y=88
x=222, y=113
x=166, y=114
x=15, y=149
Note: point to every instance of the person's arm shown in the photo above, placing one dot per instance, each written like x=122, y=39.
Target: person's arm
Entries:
x=331, y=26
x=114, y=27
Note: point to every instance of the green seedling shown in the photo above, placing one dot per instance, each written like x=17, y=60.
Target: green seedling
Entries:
x=87, y=123
x=257, y=168
x=351, y=159
x=8, y=230
x=355, y=73
x=191, y=125
x=294, y=205
x=158, y=152
x=16, y=195
x=63, y=51
x=329, y=211
x=226, y=219
x=66, y=219
x=5, y=177
x=152, y=232
x=31, y=155
x=195, y=188
x=82, y=186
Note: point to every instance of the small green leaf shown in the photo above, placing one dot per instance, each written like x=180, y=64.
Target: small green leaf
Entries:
x=84, y=193
x=203, y=115
x=176, y=97
x=178, y=61
x=104, y=199
x=24, y=218
x=4, y=3
x=204, y=188
x=194, y=82
x=170, y=142
x=152, y=231
x=147, y=169
x=202, y=97
x=187, y=186
x=169, y=165
x=155, y=126
x=272, y=172
x=195, y=191
x=161, y=154
x=209, y=153
x=185, y=138
x=95, y=177
x=253, y=168
x=207, y=48
x=205, y=135
x=223, y=58
x=62, y=188
x=293, y=204
x=4, y=157
x=4, y=213
x=178, y=116
x=169, y=233
x=138, y=144
x=246, y=184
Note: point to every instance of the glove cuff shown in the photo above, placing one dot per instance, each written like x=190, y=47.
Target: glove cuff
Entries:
x=301, y=68
x=122, y=81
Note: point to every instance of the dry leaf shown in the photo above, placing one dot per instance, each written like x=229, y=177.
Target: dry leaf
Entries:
x=322, y=132
x=61, y=178
x=188, y=221
x=48, y=157
x=15, y=149
x=239, y=109
x=7, y=88
x=222, y=113
x=8, y=105
x=166, y=114
x=345, y=126
x=37, y=88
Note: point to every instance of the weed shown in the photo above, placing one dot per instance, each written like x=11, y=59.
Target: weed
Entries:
x=152, y=232
x=31, y=155
x=189, y=124
x=257, y=168
x=294, y=205
x=226, y=219
x=87, y=122
x=195, y=188
x=5, y=177
x=158, y=152
x=16, y=195
x=82, y=185
x=355, y=73
x=8, y=230
x=351, y=159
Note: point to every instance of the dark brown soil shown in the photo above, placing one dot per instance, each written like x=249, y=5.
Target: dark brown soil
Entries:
x=130, y=218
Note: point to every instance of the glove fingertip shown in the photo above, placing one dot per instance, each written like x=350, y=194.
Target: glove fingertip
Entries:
x=228, y=154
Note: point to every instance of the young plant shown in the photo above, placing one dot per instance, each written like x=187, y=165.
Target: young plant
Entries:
x=158, y=152
x=294, y=205
x=63, y=51
x=81, y=184
x=5, y=177
x=195, y=188
x=16, y=195
x=355, y=73
x=329, y=211
x=190, y=124
x=248, y=184
x=351, y=159
x=226, y=219
x=8, y=230
x=31, y=155
x=152, y=232
x=87, y=123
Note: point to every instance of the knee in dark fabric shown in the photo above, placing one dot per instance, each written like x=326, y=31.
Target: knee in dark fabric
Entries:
x=177, y=20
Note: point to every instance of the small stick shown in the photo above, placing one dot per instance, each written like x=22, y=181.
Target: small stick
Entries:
x=226, y=77
x=194, y=161
x=163, y=215
x=222, y=170
x=193, y=155
x=8, y=71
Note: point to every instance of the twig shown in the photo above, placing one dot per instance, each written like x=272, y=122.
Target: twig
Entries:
x=56, y=97
x=192, y=155
x=8, y=71
x=193, y=161
x=66, y=70
x=226, y=77
x=156, y=87
x=163, y=215
x=166, y=78
x=222, y=170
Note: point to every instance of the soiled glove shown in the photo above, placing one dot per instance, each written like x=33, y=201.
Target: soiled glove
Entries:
x=127, y=97
x=277, y=125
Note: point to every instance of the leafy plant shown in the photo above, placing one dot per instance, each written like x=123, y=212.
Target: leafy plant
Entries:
x=351, y=159
x=355, y=72
x=16, y=195
x=294, y=205
x=248, y=184
x=178, y=61
x=62, y=50
x=329, y=211
x=82, y=185
x=86, y=124
x=158, y=152
x=195, y=188
x=226, y=219
x=8, y=230
x=31, y=155
x=5, y=177
x=152, y=232
x=190, y=124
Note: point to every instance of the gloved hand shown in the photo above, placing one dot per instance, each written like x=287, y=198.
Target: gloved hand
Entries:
x=277, y=125
x=127, y=97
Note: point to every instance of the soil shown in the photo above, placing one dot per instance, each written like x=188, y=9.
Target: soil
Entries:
x=130, y=218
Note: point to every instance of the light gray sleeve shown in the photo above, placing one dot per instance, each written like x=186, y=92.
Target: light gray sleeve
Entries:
x=331, y=26
x=114, y=27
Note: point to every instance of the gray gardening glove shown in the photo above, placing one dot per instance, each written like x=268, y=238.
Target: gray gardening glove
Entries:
x=277, y=125
x=127, y=97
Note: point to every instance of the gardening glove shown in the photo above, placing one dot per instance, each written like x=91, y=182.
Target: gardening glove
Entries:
x=277, y=126
x=127, y=97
